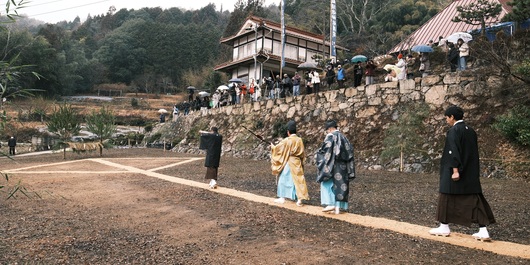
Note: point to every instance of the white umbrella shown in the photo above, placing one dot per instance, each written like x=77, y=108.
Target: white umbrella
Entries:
x=162, y=111
x=390, y=67
x=223, y=87
x=204, y=94
x=308, y=66
x=466, y=37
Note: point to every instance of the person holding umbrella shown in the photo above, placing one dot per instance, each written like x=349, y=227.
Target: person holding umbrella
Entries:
x=463, y=49
x=315, y=80
x=370, y=72
x=357, y=74
x=330, y=76
x=425, y=64
x=191, y=90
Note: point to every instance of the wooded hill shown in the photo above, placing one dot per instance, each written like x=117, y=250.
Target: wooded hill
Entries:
x=158, y=50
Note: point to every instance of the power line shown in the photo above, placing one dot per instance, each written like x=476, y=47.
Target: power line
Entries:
x=69, y=8
x=32, y=5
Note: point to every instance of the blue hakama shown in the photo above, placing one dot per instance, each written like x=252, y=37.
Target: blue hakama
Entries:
x=286, y=188
x=327, y=197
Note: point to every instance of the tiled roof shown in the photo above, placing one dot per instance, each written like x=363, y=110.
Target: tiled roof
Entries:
x=441, y=25
x=277, y=27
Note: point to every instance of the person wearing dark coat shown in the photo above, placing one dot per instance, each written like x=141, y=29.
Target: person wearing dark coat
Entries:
x=330, y=76
x=452, y=56
x=461, y=200
x=357, y=74
x=335, y=169
x=212, y=143
x=12, y=143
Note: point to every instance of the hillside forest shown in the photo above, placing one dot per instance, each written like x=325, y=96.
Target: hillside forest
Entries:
x=154, y=50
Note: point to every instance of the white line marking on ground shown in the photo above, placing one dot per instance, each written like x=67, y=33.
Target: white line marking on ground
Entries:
x=175, y=164
x=42, y=165
x=67, y=172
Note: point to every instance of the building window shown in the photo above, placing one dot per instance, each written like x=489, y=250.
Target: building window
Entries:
x=268, y=45
x=277, y=48
x=235, y=54
x=292, y=40
x=303, y=43
x=312, y=46
x=311, y=55
x=301, y=54
x=291, y=52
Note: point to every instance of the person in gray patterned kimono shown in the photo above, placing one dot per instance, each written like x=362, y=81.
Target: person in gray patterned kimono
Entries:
x=336, y=167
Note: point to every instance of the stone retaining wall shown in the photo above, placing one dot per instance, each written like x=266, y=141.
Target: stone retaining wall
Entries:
x=363, y=113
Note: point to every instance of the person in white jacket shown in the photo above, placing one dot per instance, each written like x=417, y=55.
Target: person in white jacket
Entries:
x=401, y=64
x=315, y=80
x=463, y=49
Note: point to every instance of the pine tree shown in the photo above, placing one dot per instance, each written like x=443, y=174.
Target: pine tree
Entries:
x=102, y=124
x=478, y=12
x=520, y=11
x=65, y=123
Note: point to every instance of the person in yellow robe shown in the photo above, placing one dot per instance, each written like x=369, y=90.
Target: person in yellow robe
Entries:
x=287, y=162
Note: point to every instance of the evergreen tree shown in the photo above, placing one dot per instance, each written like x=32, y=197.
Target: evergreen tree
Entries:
x=402, y=137
x=242, y=9
x=102, y=124
x=520, y=11
x=65, y=123
x=477, y=13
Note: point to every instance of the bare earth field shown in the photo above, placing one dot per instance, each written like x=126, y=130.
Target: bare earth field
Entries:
x=146, y=206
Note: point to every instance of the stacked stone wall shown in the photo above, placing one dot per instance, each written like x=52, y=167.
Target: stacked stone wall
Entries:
x=363, y=114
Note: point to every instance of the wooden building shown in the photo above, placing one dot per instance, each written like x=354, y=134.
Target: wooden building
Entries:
x=257, y=50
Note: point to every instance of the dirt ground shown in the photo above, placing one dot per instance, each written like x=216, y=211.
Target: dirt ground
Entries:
x=147, y=206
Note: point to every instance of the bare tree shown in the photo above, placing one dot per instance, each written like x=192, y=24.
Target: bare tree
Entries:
x=356, y=14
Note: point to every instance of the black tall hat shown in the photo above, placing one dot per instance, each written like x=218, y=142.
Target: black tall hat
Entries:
x=330, y=124
x=291, y=126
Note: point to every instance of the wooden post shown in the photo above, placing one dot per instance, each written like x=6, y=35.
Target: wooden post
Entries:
x=401, y=160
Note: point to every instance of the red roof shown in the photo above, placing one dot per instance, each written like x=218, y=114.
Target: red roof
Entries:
x=441, y=25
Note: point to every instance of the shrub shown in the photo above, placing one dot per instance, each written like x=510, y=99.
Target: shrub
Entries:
x=148, y=128
x=134, y=103
x=515, y=125
x=523, y=68
x=131, y=120
x=279, y=129
x=153, y=138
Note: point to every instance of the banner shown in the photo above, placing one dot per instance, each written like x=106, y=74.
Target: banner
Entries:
x=333, y=24
x=283, y=33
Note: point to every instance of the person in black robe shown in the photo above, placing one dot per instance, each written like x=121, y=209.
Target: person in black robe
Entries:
x=335, y=169
x=211, y=142
x=12, y=143
x=461, y=200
